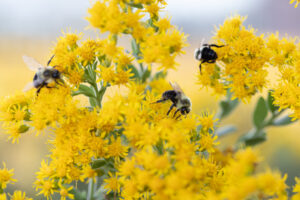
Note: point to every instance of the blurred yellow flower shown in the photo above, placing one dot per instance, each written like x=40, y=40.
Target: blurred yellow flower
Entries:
x=19, y=195
x=6, y=176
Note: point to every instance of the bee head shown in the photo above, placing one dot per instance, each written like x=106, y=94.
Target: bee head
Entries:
x=185, y=110
x=55, y=74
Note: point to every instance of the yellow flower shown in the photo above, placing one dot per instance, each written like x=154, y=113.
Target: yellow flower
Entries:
x=88, y=172
x=153, y=9
x=116, y=149
x=19, y=195
x=207, y=142
x=122, y=77
x=272, y=183
x=45, y=170
x=64, y=192
x=112, y=183
x=47, y=187
x=296, y=4
x=3, y=196
x=297, y=185
x=6, y=176
x=163, y=24
x=87, y=51
x=127, y=167
x=207, y=121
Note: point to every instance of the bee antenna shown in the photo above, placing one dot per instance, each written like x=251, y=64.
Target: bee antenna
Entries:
x=48, y=63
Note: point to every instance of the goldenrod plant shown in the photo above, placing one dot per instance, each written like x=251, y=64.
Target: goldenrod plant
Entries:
x=127, y=147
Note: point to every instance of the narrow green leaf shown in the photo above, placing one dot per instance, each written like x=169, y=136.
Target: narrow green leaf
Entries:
x=93, y=101
x=227, y=107
x=98, y=163
x=225, y=130
x=85, y=90
x=136, y=5
x=146, y=75
x=134, y=47
x=79, y=195
x=285, y=120
x=260, y=112
x=91, y=71
x=256, y=140
x=23, y=128
x=134, y=71
x=159, y=75
x=271, y=106
x=253, y=137
x=86, y=76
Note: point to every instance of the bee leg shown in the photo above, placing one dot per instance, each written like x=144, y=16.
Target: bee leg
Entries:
x=178, y=117
x=203, y=61
x=57, y=82
x=214, y=45
x=48, y=63
x=159, y=101
x=39, y=89
x=176, y=112
x=172, y=106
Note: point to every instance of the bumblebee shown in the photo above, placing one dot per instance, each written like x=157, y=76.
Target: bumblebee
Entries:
x=179, y=100
x=43, y=76
x=206, y=54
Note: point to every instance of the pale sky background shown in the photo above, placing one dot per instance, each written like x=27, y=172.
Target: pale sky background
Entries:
x=46, y=18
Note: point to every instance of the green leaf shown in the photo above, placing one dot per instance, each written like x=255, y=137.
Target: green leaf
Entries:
x=271, y=106
x=86, y=76
x=146, y=75
x=91, y=71
x=134, y=71
x=225, y=130
x=135, y=49
x=136, y=5
x=23, y=128
x=79, y=195
x=260, y=112
x=159, y=75
x=85, y=90
x=93, y=101
x=134, y=46
x=253, y=137
x=227, y=107
x=285, y=120
x=256, y=139
x=98, y=163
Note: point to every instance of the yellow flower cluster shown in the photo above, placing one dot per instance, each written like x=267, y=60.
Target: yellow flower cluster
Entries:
x=287, y=60
x=243, y=61
x=6, y=178
x=157, y=41
x=15, y=114
x=128, y=142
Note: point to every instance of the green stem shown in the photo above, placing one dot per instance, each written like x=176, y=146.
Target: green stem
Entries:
x=271, y=120
x=90, y=194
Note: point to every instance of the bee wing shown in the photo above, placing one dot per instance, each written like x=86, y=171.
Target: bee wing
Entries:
x=202, y=43
x=32, y=63
x=28, y=87
x=176, y=87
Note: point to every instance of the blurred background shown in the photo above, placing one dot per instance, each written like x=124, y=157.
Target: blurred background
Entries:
x=31, y=27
